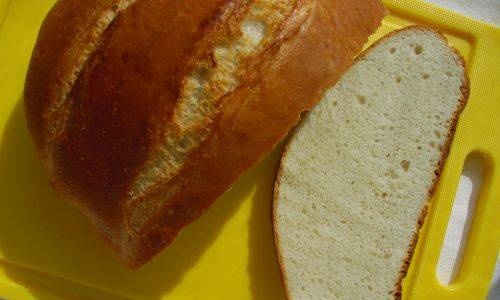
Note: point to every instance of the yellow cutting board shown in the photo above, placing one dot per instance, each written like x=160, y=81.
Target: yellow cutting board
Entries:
x=49, y=250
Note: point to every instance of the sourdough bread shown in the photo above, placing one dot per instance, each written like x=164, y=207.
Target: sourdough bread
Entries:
x=359, y=170
x=145, y=111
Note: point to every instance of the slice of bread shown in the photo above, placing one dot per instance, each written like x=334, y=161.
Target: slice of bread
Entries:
x=358, y=172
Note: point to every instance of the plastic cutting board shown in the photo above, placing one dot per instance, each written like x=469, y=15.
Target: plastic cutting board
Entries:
x=48, y=250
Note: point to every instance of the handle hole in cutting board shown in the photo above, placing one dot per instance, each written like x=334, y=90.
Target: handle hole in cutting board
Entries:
x=461, y=217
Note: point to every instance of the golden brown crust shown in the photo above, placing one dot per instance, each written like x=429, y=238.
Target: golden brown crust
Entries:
x=125, y=93
x=397, y=293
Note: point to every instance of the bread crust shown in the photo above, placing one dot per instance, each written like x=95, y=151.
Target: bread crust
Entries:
x=465, y=89
x=124, y=93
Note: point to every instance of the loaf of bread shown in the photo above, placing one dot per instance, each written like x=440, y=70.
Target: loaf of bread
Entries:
x=145, y=111
x=359, y=170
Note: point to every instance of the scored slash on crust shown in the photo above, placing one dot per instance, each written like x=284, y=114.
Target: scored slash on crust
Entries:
x=207, y=85
x=57, y=113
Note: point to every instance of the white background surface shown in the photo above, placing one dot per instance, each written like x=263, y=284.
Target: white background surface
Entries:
x=487, y=11
x=484, y=10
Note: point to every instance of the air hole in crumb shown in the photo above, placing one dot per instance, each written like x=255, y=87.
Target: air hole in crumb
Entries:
x=343, y=221
x=398, y=79
x=384, y=195
x=304, y=211
x=419, y=147
x=437, y=133
x=352, y=182
x=448, y=74
x=440, y=147
x=316, y=231
x=377, y=140
x=392, y=174
x=361, y=99
x=418, y=49
x=393, y=50
x=347, y=259
x=391, y=128
x=334, y=103
x=347, y=121
x=313, y=206
x=302, y=288
x=369, y=288
x=386, y=114
x=432, y=144
x=425, y=76
x=405, y=165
